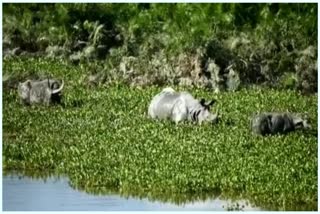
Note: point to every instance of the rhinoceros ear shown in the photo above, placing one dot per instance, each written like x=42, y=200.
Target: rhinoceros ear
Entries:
x=211, y=103
x=203, y=102
x=208, y=104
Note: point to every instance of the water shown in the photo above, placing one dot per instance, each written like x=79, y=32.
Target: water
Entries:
x=21, y=193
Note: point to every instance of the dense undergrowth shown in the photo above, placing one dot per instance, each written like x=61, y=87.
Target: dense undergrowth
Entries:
x=102, y=139
x=274, y=44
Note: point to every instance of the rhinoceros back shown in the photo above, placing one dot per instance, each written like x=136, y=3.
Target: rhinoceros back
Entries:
x=162, y=104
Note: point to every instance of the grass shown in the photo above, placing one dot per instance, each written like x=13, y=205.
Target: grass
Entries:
x=102, y=139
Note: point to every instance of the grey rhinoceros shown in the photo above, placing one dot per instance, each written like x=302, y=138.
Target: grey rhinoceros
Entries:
x=180, y=106
x=274, y=122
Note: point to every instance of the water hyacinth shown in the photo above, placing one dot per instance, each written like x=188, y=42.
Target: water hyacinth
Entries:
x=102, y=138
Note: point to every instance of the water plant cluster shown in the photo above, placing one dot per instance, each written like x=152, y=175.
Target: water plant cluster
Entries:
x=101, y=138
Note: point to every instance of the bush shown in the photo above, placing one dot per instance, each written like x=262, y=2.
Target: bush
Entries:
x=262, y=41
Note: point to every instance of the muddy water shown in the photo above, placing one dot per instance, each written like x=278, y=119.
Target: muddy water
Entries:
x=22, y=193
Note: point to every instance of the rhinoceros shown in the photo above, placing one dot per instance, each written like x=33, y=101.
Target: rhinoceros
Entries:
x=275, y=122
x=180, y=106
x=40, y=91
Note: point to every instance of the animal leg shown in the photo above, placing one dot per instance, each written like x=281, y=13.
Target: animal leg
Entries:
x=179, y=111
x=47, y=97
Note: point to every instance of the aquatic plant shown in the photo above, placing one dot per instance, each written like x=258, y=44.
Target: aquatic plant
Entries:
x=102, y=138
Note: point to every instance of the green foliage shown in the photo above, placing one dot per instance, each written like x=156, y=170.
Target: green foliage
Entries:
x=187, y=25
x=103, y=139
x=267, y=36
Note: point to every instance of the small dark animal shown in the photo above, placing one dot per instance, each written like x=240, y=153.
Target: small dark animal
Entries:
x=273, y=123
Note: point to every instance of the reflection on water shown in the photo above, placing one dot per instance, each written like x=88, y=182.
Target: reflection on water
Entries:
x=54, y=193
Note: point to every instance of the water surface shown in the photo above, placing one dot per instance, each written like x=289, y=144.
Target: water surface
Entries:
x=22, y=193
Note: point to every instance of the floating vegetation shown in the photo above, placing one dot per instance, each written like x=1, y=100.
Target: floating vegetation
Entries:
x=108, y=142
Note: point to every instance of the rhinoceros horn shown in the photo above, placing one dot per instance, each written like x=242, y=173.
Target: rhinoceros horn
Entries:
x=59, y=89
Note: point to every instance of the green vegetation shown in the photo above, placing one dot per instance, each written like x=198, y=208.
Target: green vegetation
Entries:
x=102, y=139
x=266, y=42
